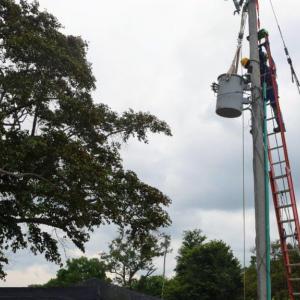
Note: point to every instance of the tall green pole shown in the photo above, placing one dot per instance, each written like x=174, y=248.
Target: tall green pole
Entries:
x=267, y=197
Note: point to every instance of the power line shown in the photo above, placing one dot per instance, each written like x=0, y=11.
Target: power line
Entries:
x=289, y=59
x=244, y=208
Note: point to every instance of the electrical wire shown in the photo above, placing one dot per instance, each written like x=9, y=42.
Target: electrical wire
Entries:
x=289, y=59
x=244, y=195
x=235, y=63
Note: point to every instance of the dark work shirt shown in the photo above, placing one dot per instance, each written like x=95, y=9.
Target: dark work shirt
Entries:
x=265, y=73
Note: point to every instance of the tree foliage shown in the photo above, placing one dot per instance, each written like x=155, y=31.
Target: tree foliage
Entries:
x=60, y=165
x=78, y=270
x=205, y=270
x=278, y=276
x=129, y=255
x=151, y=285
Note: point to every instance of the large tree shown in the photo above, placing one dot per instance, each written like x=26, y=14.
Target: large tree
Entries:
x=205, y=270
x=60, y=165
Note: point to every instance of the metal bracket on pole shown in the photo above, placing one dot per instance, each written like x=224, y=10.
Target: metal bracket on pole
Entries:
x=247, y=101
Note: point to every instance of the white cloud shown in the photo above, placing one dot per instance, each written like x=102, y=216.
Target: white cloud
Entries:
x=35, y=274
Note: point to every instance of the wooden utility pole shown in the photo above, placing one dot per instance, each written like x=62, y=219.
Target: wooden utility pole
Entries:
x=258, y=155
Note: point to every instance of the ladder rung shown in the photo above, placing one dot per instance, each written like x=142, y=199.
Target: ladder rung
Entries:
x=283, y=191
x=292, y=250
x=280, y=176
x=278, y=162
x=273, y=133
x=274, y=148
x=296, y=294
x=270, y=119
x=285, y=206
x=289, y=235
x=287, y=221
x=294, y=279
x=294, y=265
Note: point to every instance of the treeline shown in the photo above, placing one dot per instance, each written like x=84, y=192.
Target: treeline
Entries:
x=205, y=269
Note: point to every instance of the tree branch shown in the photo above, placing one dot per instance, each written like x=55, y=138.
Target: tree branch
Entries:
x=16, y=109
x=34, y=124
x=114, y=132
x=20, y=175
x=150, y=272
x=2, y=95
x=41, y=221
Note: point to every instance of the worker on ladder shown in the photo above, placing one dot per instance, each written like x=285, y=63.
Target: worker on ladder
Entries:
x=266, y=80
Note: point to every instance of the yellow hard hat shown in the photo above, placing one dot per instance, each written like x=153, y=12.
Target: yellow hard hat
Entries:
x=245, y=61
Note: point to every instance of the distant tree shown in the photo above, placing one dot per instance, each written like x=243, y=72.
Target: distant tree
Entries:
x=166, y=248
x=251, y=280
x=191, y=239
x=173, y=290
x=205, y=270
x=130, y=254
x=60, y=163
x=151, y=285
x=278, y=276
x=78, y=270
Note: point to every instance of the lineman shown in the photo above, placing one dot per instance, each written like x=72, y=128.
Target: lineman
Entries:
x=266, y=79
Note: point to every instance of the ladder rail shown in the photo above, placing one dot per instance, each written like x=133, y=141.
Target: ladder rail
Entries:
x=282, y=133
x=283, y=245
x=282, y=186
x=294, y=205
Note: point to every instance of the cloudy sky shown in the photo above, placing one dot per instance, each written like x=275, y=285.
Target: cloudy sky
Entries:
x=161, y=56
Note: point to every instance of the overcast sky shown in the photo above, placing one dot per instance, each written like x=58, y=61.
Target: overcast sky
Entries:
x=161, y=56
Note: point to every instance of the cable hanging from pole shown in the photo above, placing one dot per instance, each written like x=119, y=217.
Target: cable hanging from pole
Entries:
x=244, y=207
x=235, y=63
x=289, y=59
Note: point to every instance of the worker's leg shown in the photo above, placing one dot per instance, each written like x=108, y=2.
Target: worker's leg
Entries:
x=271, y=97
x=276, y=114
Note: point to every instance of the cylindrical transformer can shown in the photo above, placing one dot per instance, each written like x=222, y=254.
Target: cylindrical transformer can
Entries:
x=230, y=95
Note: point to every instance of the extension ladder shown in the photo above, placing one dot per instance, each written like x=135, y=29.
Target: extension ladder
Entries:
x=283, y=189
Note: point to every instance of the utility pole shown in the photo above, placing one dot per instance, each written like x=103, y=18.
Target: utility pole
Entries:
x=258, y=155
x=166, y=246
x=164, y=273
